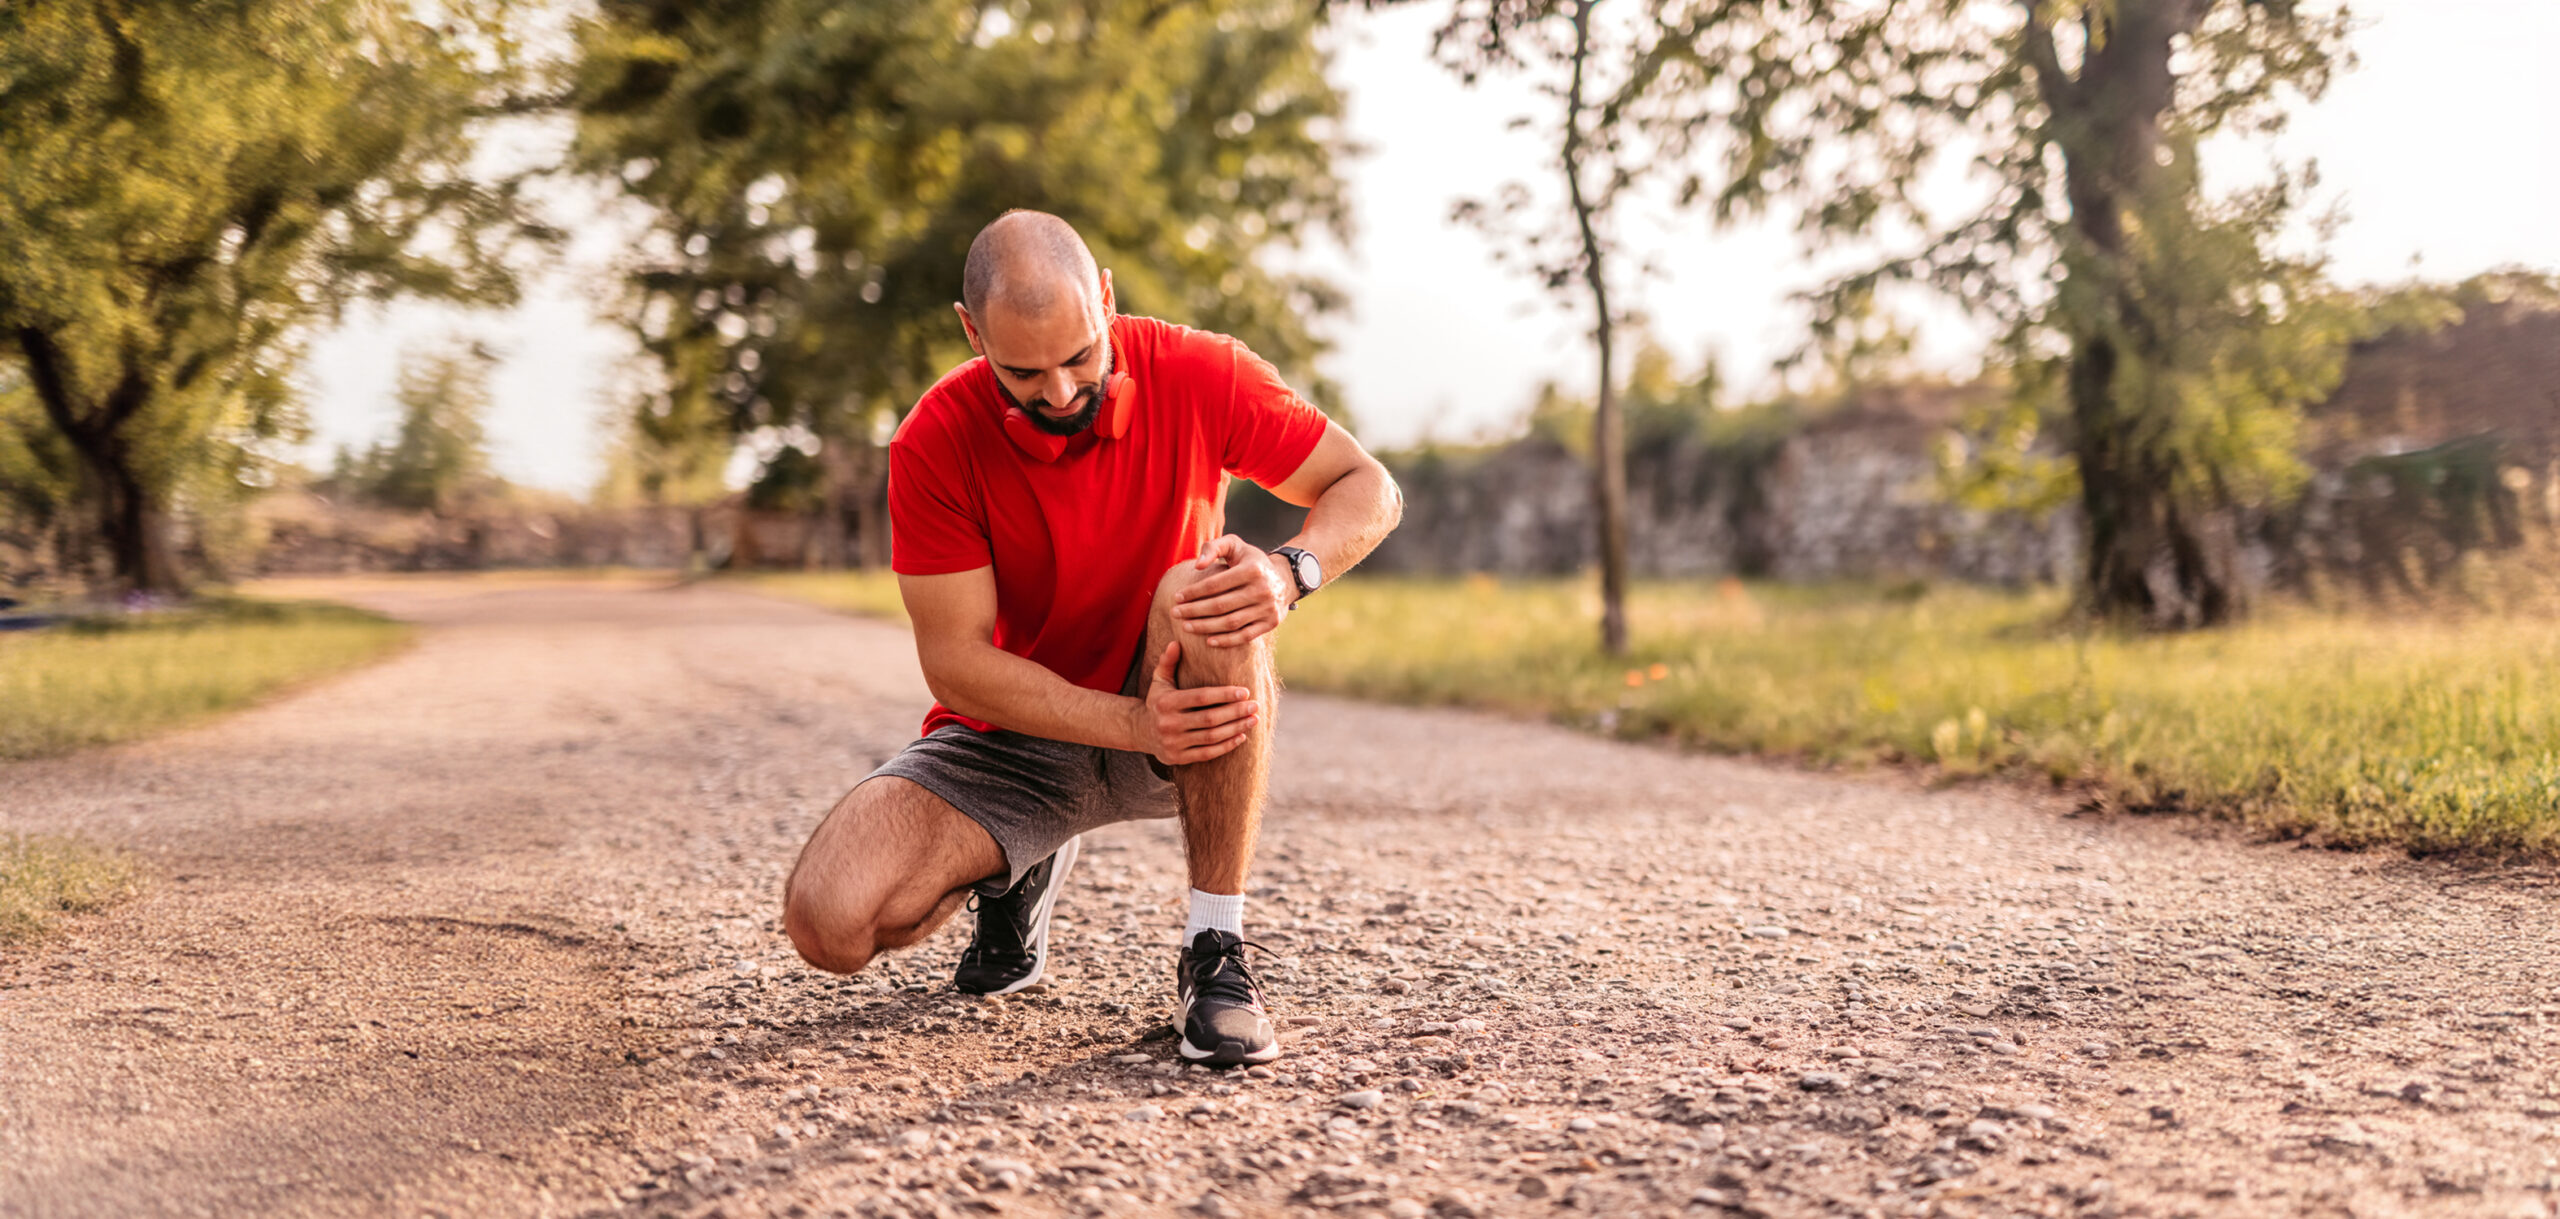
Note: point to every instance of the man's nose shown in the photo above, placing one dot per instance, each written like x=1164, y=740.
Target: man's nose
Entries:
x=1057, y=388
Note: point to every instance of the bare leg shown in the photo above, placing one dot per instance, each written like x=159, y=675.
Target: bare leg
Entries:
x=1221, y=798
x=887, y=867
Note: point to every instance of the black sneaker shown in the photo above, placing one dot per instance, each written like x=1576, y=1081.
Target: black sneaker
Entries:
x=1223, y=1024
x=1011, y=949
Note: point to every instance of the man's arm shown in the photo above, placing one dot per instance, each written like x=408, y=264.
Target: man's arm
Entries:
x=1352, y=504
x=955, y=629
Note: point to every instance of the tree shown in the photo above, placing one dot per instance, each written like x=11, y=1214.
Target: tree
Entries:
x=439, y=454
x=37, y=470
x=818, y=169
x=184, y=187
x=2153, y=325
x=1489, y=35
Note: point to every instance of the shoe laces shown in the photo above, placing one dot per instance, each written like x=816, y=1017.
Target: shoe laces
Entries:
x=1227, y=976
x=997, y=936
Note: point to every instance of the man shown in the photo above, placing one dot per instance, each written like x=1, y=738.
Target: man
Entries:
x=1097, y=652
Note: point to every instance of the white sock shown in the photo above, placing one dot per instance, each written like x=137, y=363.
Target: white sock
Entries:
x=1214, y=912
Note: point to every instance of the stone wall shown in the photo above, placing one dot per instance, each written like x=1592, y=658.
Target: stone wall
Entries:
x=306, y=534
x=1849, y=494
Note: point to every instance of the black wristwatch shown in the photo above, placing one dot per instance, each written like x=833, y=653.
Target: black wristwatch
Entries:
x=1304, y=569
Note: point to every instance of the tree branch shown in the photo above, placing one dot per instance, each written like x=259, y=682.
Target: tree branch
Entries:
x=53, y=389
x=2060, y=92
x=539, y=103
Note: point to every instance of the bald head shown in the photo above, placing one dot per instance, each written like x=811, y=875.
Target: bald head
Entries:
x=1036, y=307
x=1029, y=263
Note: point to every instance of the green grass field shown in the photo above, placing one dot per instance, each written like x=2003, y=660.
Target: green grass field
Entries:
x=100, y=680
x=2429, y=733
x=2434, y=735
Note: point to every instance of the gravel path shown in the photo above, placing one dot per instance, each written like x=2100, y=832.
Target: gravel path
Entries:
x=489, y=929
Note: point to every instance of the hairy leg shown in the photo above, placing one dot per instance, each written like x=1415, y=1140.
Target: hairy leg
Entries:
x=1221, y=798
x=887, y=867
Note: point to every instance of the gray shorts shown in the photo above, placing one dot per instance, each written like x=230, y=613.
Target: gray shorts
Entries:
x=1032, y=794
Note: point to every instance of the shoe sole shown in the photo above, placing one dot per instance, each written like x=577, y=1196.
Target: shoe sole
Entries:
x=1040, y=919
x=1222, y=1056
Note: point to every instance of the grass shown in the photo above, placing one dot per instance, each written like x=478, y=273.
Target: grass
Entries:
x=44, y=877
x=872, y=594
x=2433, y=734
x=95, y=681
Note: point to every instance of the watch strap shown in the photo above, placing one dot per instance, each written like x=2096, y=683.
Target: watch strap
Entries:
x=1293, y=554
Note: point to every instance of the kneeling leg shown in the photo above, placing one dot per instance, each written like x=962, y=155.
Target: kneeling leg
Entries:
x=887, y=867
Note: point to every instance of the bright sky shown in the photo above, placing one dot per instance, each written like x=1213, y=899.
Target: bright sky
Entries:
x=2443, y=148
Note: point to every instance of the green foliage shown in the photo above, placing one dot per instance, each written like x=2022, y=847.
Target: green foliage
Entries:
x=1667, y=413
x=46, y=876
x=114, y=678
x=439, y=456
x=1999, y=457
x=2457, y=482
x=2233, y=341
x=819, y=169
x=2431, y=735
x=1664, y=409
x=191, y=185
x=793, y=481
x=669, y=457
x=1558, y=418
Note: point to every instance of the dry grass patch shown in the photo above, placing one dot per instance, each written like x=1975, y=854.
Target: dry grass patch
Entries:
x=45, y=877
x=873, y=594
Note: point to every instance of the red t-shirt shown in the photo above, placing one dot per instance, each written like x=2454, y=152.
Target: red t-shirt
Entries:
x=1079, y=542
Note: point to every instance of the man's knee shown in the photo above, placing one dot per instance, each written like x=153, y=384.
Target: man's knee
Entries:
x=829, y=909
x=881, y=872
x=826, y=932
x=1169, y=586
x=1203, y=665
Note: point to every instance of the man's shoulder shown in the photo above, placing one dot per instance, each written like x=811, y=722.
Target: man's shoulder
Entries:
x=1163, y=347
x=942, y=414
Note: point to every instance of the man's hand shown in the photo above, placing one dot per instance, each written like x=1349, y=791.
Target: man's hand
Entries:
x=1238, y=605
x=1183, y=726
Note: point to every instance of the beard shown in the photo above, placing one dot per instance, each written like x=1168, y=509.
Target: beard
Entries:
x=1088, y=403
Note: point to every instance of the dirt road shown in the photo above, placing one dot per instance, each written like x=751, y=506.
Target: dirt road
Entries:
x=489, y=929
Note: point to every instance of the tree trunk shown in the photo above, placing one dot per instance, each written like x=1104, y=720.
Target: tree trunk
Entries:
x=131, y=520
x=1608, y=434
x=137, y=533
x=1609, y=448
x=2172, y=565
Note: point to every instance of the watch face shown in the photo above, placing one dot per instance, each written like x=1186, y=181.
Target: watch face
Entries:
x=1310, y=573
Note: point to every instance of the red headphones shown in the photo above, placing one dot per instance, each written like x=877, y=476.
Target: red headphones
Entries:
x=1111, y=423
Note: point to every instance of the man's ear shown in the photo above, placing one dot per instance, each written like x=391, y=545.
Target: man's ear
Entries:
x=969, y=327
x=1106, y=292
